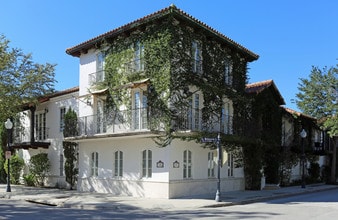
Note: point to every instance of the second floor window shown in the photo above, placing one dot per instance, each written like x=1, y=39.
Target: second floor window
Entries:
x=228, y=72
x=196, y=57
x=100, y=61
x=139, y=108
x=62, y=118
x=40, y=126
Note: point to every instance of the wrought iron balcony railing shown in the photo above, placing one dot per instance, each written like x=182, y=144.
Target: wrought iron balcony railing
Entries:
x=23, y=134
x=143, y=120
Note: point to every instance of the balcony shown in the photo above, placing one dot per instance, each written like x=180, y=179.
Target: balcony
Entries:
x=137, y=120
x=22, y=137
x=136, y=65
x=96, y=77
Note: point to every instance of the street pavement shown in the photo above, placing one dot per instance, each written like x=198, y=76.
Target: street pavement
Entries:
x=91, y=200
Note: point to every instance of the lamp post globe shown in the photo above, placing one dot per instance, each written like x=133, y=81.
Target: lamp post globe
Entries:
x=8, y=126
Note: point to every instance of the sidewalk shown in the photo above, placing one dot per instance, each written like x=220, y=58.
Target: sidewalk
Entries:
x=87, y=200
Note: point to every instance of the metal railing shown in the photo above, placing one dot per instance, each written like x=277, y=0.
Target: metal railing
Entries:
x=96, y=77
x=135, y=65
x=23, y=134
x=143, y=120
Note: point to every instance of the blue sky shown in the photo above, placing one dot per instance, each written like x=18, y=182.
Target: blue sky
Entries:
x=290, y=36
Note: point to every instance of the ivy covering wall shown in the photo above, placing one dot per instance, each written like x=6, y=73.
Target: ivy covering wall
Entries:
x=168, y=58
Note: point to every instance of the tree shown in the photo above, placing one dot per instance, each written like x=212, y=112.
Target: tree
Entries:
x=21, y=79
x=70, y=148
x=40, y=167
x=16, y=166
x=318, y=97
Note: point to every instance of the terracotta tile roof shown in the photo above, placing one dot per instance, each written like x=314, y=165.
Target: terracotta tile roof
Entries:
x=258, y=87
x=299, y=114
x=76, y=50
x=58, y=93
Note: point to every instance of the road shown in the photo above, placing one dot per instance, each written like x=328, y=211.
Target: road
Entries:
x=322, y=205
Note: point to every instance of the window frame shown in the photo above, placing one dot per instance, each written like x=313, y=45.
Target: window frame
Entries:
x=211, y=164
x=94, y=164
x=187, y=164
x=62, y=111
x=146, y=164
x=118, y=164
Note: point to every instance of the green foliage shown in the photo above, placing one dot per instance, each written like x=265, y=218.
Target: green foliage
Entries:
x=29, y=179
x=21, y=79
x=168, y=65
x=253, y=162
x=314, y=172
x=318, y=96
x=71, y=124
x=40, y=167
x=70, y=148
x=16, y=166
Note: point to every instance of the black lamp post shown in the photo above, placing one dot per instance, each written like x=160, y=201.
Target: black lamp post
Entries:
x=219, y=153
x=9, y=126
x=303, y=135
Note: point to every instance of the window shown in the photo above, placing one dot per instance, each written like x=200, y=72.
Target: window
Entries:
x=197, y=57
x=187, y=164
x=230, y=165
x=118, y=164
x=140, y=111
x=62, y=118
x=147, y=163
x=211, y=165
x=61, y=164
x=226, y=119
x=100, y=61
x=228, y=72
x=94, y=164
x=101, y=126
x=40, y=126
x=138, y=57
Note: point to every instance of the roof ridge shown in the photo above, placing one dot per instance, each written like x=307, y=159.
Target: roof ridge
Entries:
x=170, y=9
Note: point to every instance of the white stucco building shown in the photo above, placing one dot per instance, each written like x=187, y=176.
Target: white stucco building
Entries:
x=39, y=129
x=117, y=152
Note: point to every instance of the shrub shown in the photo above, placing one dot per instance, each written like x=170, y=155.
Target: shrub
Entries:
x=29, y=179
x=40, y=167
x=16, y=166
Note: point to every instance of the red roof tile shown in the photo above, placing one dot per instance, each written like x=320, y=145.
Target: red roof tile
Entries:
x=258, y=87
x=76, y=50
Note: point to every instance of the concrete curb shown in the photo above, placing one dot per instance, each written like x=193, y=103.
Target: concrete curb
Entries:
x=284, y=195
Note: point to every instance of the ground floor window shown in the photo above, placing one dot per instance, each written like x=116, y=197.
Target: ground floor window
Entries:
x=94, y=163
x=230, y=165
x=187, y=165
x=211, y=165
x=118, y=164
x=147, y=163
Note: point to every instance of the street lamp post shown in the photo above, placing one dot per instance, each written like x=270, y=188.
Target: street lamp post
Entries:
x=9, y=126
x=219, y=153
x=303, y=136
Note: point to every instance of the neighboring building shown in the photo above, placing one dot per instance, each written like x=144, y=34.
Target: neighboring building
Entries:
x=281, y=127
x=39, y=129
x=315, y=147
x=117, y=150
